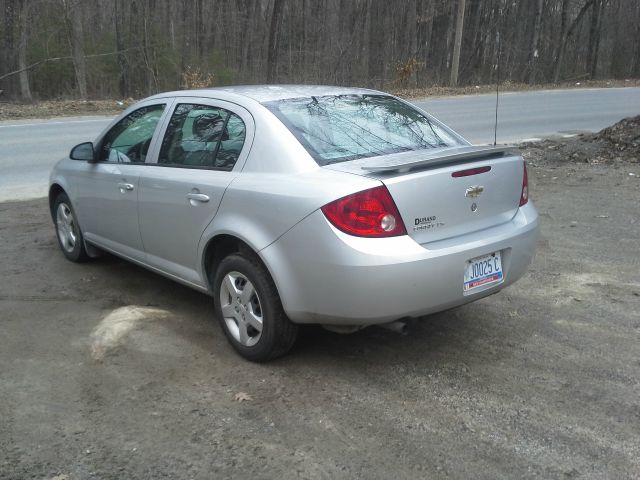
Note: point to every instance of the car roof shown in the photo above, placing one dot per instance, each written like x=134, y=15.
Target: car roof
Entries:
x=268, y=93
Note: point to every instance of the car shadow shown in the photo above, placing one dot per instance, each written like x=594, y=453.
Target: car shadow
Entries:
x=461, y=335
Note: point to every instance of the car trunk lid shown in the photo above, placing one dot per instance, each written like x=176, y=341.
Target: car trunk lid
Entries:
x=448, y=192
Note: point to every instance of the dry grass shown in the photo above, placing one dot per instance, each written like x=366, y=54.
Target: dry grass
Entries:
x=62, y=108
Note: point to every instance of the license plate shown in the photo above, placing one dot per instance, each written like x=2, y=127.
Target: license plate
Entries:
x=482, y=271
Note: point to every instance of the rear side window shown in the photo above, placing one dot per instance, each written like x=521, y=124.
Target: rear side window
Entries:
x=202, y=136
x=338, y=128
x=128, y=140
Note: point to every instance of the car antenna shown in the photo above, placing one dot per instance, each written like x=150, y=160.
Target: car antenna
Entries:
x=495, y=128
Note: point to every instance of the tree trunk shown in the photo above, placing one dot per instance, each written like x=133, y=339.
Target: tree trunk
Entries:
x=557, y=53
x=150, y=73
x=563, y=42
x=8, y=55
x=412, y=40
x=245, y=23
x=594, y=37
x=375, y=57
x=23, y=76
x=424, y=18
x=274, y=28
x=457, y=44
x=445, y=65
x=73, y=18
x=123, y=78
x=534, y=54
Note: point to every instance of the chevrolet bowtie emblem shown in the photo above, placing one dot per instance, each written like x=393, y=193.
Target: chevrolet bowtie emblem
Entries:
x=473, y=192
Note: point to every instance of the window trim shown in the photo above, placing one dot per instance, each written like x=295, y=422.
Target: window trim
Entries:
x=234, y=108
x=215, y=152
x=167, y=102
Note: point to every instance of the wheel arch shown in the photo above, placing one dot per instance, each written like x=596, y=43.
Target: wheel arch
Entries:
x=54, y=190
x=222, y=245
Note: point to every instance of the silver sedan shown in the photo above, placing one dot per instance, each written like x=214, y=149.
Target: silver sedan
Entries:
x=298, y=205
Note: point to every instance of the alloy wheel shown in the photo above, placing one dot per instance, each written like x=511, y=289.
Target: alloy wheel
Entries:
x=66, y=227
x=241, y=308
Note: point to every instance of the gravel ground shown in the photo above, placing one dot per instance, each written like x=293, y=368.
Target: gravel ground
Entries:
x=109, y=371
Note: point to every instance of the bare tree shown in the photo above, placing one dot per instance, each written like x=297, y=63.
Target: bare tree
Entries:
x=558, y=46
x=123, y=76
x=8, y=57
x=73, y=20
x=376, y=43
x=594, y=37
x=534, y=52
x=272, y=56
x=567, y=35
x=23, y=76
x=457, y=44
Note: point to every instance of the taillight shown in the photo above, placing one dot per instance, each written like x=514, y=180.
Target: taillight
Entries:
x=524, y=196
x=370, y=213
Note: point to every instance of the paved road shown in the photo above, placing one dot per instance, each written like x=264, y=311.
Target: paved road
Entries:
x=28, y=149
x=523, y=115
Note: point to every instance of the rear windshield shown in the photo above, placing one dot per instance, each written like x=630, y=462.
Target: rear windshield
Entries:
x=345, y=127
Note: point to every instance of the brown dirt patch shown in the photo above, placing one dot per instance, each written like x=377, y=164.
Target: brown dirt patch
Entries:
x=62, y=108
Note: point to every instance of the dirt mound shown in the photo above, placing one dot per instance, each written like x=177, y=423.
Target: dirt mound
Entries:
x=623, y=135
x=619, y=143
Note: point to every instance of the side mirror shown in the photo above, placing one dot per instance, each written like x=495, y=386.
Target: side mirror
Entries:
x=83, y=151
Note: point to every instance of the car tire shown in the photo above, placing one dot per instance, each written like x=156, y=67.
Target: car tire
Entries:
x=249, y=309
x=68, y=231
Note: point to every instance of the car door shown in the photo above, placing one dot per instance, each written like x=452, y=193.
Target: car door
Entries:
x=204, y=145
x=108, y=191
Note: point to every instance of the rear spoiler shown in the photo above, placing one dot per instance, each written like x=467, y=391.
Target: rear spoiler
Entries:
x=408, y=160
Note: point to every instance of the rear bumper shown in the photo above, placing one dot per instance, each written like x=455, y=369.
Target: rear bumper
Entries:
x=326, y=276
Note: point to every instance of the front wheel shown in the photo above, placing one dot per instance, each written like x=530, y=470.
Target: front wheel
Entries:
x=249, y=309
x=68, y=231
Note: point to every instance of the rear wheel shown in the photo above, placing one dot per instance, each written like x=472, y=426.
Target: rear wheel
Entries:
x=67, y=230
x=249, y=309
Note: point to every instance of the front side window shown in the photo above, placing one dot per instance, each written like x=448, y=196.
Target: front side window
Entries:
x=201, y=136
x=337, y=128
x=128, y=141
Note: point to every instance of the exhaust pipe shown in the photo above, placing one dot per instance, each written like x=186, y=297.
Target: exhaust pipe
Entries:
x=398, y=326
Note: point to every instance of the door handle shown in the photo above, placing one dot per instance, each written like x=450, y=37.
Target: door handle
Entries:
x=198, y=197
x=125, y=187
